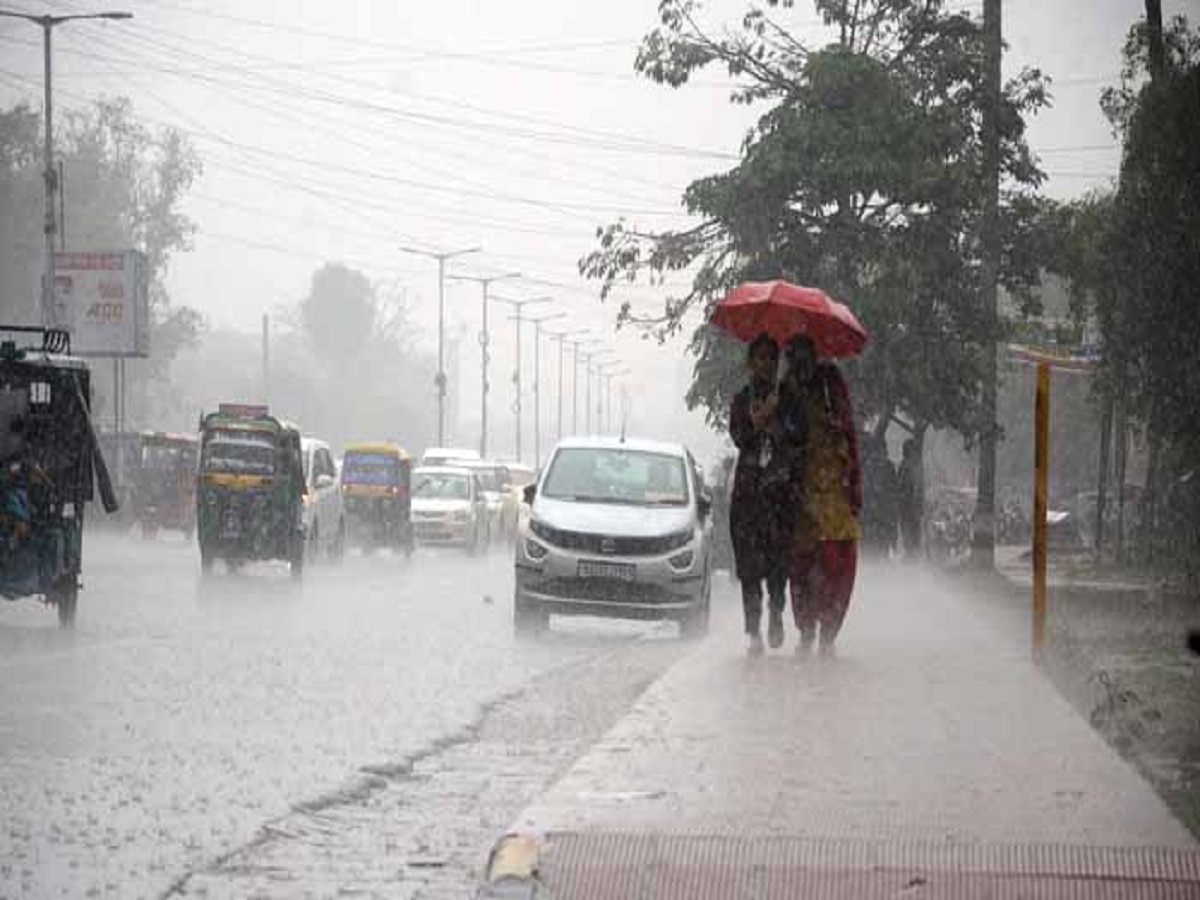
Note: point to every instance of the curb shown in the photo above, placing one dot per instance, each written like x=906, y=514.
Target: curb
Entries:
x=512, y=870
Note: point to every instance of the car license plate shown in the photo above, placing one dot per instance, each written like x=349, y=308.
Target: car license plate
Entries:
x=599, y=569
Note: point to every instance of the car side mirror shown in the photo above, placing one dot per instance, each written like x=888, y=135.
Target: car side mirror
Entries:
x=529, y=492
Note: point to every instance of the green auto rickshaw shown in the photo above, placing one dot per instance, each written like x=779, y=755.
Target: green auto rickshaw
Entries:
x=50, y=464
x=250, y=495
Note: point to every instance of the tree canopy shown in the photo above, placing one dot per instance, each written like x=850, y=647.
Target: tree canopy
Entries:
x=863, y=176
x=124, y=186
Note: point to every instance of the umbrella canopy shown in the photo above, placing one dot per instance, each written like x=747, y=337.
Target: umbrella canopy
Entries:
x=784, y=310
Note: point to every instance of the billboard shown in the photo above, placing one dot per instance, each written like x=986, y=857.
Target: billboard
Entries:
x=101, y=299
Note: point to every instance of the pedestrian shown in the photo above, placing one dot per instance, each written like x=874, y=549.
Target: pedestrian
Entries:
x=826, y=531
x=760, y=513
x=911, y=497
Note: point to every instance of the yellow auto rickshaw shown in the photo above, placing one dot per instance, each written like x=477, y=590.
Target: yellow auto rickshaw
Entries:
x=377, y=496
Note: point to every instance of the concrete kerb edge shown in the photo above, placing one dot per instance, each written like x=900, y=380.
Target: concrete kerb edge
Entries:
x=512, y=871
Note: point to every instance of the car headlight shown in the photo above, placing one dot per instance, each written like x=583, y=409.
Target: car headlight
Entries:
x=544, y=531
x=534, y=550
x=675, y=541
x=682, y=561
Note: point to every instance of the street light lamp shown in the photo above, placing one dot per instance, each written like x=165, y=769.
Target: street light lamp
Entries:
x=519, y=305
x=537, y=383
x=485, y=354
x=441, y=372
x=47, y=24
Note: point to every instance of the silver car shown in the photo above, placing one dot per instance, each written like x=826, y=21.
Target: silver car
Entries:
x=618, y=528
x=448, y=508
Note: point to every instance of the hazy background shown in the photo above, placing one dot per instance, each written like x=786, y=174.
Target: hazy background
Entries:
x=343, y=131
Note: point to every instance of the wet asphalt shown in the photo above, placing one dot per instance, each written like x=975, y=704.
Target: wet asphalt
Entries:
x=168, y=743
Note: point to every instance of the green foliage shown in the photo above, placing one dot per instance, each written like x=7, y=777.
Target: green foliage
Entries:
x=863, y=176
x=123, y=187
x=1133, y=258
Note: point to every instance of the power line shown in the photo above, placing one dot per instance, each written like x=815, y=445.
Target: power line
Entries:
x=288, y=92
x=371, y=175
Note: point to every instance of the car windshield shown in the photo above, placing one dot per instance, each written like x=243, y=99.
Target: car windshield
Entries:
x=370, y=469
x=240, y=453
x=441, y=486
x=617, y=475
x=161, y=456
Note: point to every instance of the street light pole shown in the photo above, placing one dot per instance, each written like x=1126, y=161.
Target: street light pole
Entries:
x=563, y=338
x=537, y=384
x=575, y=345
x=595, y=354
x=485, y=354
x=519, y=305
x=606, y=371
x=47, y=24
x=441, y=372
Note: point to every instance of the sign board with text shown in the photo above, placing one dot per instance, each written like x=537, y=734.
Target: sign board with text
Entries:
x=101, y=299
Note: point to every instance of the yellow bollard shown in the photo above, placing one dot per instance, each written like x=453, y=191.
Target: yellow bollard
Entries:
x=1041, y=465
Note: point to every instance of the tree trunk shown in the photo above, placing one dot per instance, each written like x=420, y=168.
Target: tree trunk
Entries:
x=1106, y=430
x=1154, y=35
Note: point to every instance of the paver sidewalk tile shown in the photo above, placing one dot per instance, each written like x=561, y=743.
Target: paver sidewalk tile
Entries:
x=930, y=726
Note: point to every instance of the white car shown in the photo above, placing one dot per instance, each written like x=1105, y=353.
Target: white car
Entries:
x=449, y=508
x=617, y=528
x=445, y=456
x=502, y=509
x=324, y=519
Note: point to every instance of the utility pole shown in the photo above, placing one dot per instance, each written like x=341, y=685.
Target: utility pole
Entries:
x=266, y=358
x=575, y=345
x=983, y=544
x=563, y=338
x=604, y=404
x=594, y=355
x=537, y=384
x=441, y=372
x=485, y=354
x=519, y=305
x=47, y=24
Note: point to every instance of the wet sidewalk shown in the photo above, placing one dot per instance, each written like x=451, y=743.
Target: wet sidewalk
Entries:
x=930, y=751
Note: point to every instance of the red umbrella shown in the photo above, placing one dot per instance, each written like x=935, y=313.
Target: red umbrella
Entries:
x=784, y=311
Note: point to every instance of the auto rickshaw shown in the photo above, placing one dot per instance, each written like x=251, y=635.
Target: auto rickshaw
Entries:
x=165, y=484
x=250, y=497
x=377, y=496
x=50, y=463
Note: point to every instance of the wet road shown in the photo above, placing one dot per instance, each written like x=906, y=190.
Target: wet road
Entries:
x=142, y=752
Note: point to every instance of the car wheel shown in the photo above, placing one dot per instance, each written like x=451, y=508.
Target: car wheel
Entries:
x=694, y=624
x=529, y=619
x=312, y=545
x=338, y=550
x=297, y=560
x=66, y=598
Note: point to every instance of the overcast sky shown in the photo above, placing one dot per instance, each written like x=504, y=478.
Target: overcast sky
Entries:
x=342, y=131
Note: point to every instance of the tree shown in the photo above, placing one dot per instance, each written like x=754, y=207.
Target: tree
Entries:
x=863, y=176
x=351, y=369
x=1133, y=259
x=124, y=184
